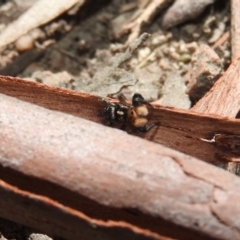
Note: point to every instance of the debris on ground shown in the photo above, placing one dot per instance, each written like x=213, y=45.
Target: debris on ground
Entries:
x=206, y=70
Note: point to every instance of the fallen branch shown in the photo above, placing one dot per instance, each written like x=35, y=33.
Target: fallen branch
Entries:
x=73, y=177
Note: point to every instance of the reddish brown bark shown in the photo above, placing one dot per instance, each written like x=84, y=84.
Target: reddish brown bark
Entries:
x=178, y=129
x=65, y=174
x=223, y=98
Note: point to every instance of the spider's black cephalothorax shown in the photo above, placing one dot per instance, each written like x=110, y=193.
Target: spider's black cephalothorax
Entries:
x=138, y=100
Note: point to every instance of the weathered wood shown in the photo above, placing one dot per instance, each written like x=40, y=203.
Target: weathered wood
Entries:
x=52, y=217
x=188, y=132
x=64, y=174
x=235, y=39
x=222, y=99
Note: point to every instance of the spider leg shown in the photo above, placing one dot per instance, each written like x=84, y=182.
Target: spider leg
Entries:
x=146, y=128
x=123, y=127
x=121, y=97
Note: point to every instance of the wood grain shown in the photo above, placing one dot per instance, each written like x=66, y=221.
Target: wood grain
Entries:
x=223, y=98
x=70, y=176
x=186, y=131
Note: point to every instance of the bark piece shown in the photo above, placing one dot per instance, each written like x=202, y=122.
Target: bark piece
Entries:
x=235, y=38
x=69, y=171
x=222, y=99
x=179, y=129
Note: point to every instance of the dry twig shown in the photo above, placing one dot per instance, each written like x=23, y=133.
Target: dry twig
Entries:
x=224, y=38
x=144, y=17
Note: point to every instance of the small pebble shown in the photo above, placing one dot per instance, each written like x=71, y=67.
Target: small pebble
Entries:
x=174, y=55
x=143, y=53
x=164, y=64
x=37, y=33
x=24, y=43
x=182, y=48
x=176, y=66
x=196, y=35
x=192, y=46
x=159, y=40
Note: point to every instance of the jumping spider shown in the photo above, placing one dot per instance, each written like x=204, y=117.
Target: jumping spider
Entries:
x=133, y=116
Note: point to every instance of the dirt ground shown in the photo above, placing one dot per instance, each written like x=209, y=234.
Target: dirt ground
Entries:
x=77, y=49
